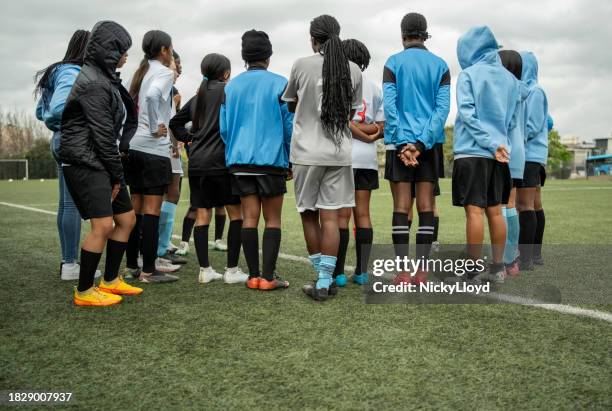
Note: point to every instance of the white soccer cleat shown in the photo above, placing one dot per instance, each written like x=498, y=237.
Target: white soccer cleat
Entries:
x=183, y=248
x=165, y=266
x=498, y=277
x=208, y=274
x=234, y=275
x=219, y=245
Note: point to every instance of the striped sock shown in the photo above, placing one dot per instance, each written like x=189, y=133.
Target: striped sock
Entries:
x=425, y=233
x=400, y=233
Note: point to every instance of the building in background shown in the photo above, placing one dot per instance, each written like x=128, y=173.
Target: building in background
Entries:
x=580, y=151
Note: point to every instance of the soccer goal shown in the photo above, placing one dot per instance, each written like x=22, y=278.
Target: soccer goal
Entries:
x=14, y=169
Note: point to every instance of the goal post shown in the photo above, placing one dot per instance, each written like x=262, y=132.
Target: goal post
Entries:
x=14, y=169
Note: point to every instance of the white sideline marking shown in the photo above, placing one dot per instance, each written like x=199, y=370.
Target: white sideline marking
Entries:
x=560, y=308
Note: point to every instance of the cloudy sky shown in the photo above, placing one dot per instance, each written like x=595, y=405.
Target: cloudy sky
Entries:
x=571, y=39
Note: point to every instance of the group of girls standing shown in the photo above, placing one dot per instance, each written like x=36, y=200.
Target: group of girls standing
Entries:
x=248, y=136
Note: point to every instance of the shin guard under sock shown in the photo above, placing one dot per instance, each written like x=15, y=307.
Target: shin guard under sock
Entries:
x=250, y=246
x=150, y=240
x=342, y=247
x=512, y=235
x=188, y=224
x=527, y=221
x=114, y=255
x=166, y=225
x=326, y=270
x=271, y=247
x=219, y=226
x=233, y=242
x=400, y=233
x=134, y=243
x=363, y=247
x=539, y=234
x=89, y=265
x=425, y=233
x=200, y=238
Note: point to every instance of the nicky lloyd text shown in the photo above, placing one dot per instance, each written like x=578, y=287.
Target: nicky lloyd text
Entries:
x=436, y=288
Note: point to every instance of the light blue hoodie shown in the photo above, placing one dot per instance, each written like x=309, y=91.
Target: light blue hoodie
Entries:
x=51, y=103
x=487, y=97
x=536, y=113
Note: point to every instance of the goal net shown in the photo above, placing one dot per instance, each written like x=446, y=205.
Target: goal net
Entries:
x=14, y=169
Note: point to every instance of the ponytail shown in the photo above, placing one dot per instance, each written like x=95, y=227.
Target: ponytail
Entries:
x=152, y=44
x=337, y=85
x=213, y=67
x=137, y=78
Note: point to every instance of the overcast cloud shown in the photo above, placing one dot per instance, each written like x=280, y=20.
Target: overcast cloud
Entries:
x=571, y=39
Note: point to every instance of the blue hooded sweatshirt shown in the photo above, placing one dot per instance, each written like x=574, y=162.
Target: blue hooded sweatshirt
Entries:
x=416, y=95
x=255, y=123
x=51, y=103
x=487, y=97
x=536, y=113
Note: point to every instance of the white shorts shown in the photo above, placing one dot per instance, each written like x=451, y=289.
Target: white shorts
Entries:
x=323, y=187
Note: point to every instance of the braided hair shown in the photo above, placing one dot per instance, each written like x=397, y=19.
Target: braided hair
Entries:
x=337, y=85
x=356, y=52
x=213, y=67
x=75, y=54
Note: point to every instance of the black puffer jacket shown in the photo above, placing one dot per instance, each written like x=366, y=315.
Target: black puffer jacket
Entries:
x=93, y=116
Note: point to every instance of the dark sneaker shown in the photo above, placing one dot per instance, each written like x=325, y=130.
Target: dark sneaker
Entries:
x=157, y=277
x=174, y=258
x=317, y=294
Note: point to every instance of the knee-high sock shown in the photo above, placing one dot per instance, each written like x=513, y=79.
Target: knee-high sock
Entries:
x=400, y=233
x=424, y=236
x=114, y=255
x=250, y=246
x=326, y=270
x=200, y=238
x=527, y=221
x=188, y=224
x=166, y=225
x=342, y=247
x=512, y=234
x=219, y=226
x=436, y=227
x=134, y=244
x=150, y=240
x=233, y=243
x=363, y=246
x=271, y=247
x=89, y=264
x=539, y=233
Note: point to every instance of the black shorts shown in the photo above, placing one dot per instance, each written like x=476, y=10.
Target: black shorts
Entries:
x=211, y=191
x=263, y=185
x=516, y=182
x=148, y=174
x=534, y=175
x=365, y=179
x=397, y=172
x=439, y=150
x=91, y=191
x=479, y=181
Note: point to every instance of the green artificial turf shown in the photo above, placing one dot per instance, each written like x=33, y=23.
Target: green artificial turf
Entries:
x=219, y=346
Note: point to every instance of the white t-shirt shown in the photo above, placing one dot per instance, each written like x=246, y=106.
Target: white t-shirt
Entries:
x=154, y=108
x=371, y=111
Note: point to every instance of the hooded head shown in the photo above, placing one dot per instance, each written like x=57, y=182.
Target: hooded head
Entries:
x=512, y=61
x=107, y=43
x=478, y=44
x=530, y=68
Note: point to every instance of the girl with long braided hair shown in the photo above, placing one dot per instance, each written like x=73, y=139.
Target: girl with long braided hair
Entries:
x=324, y=90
